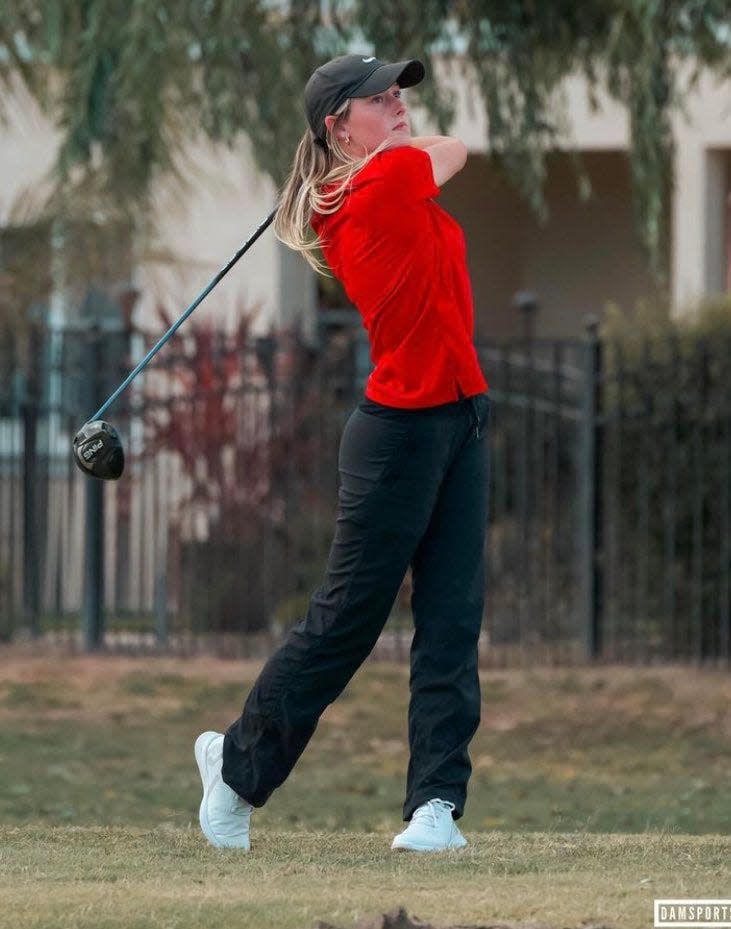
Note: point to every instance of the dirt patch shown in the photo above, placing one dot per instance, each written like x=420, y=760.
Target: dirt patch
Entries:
x=684, y=700
x=88, y=687
x=400, y=919
x=87, y=671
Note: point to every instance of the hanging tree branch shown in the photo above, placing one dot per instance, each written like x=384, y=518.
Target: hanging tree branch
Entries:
x=130, y=82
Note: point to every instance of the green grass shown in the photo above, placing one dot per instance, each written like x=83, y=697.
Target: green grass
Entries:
x=109, y=741
x=593, y=791
x=93, y=878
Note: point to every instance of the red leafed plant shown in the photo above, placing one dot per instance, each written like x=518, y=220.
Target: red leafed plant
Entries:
x=244, y=417
x=210, y=403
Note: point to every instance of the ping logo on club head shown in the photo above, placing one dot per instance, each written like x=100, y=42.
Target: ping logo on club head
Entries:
x=90, y=450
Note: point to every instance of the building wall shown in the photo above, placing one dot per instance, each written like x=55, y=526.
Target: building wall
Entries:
x=201, y=228
x=196, y=229
x=585, y=255
x=28, y=145
x=699, y=252
x=703, y=143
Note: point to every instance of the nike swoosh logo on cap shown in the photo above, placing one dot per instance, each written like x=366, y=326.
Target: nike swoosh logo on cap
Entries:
x=366, y=60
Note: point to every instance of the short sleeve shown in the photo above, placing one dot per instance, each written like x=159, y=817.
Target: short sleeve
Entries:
x=407, y=173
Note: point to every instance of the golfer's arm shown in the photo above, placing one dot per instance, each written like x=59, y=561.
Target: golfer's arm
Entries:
x=448, y=155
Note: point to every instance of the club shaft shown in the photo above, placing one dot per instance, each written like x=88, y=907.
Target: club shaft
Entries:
x=178, y=323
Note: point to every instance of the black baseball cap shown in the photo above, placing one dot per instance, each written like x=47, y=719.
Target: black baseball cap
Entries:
x=353, y=76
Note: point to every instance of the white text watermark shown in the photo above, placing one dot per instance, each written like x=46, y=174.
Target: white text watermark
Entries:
x=712, y=913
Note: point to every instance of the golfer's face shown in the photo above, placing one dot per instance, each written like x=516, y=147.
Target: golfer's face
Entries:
x=375, y=119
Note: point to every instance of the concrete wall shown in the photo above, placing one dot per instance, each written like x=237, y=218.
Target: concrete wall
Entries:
x=586, y=254
x=703, y=139
x=699, y=250
x=28, y=145
x=196, y=230
x=201, y=228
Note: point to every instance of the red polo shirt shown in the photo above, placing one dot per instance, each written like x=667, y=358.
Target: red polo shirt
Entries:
x=402, y=261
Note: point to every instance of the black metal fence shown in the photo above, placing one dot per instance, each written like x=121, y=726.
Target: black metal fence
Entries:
x=609, y=531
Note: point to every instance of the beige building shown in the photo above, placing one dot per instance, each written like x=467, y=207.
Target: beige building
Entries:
x=585, y=255
x=588, y=253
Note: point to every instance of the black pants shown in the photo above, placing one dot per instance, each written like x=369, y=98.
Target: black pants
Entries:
x=413, y=491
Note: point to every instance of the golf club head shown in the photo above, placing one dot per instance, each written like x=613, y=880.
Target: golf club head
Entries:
x=98, y=450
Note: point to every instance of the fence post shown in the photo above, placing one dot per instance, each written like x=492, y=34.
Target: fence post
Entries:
x=93, y=612
x=31, y=551
x=590, y=498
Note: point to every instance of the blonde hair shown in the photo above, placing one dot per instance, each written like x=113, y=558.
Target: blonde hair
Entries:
x=315, y=167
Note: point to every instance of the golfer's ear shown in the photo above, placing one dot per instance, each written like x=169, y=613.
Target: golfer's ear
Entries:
x=330, y=122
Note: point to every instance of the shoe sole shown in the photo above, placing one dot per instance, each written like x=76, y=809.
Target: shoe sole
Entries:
x=413, y=848
x=202, y=744
x=458, y=843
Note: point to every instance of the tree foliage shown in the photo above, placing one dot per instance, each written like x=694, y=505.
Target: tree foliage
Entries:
x=129, y=81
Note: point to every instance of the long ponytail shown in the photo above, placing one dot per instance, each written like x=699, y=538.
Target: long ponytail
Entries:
x=316, y=166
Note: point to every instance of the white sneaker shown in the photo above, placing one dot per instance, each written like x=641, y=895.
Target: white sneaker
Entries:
x=431, y=829
x=224, y=816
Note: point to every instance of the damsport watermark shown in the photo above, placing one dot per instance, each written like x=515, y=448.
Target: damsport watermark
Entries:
x=675, y=913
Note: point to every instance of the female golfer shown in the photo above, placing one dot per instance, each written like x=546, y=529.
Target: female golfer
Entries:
x=412, y=462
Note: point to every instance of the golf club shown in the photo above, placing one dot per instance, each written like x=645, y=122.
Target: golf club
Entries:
x=97, y=447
